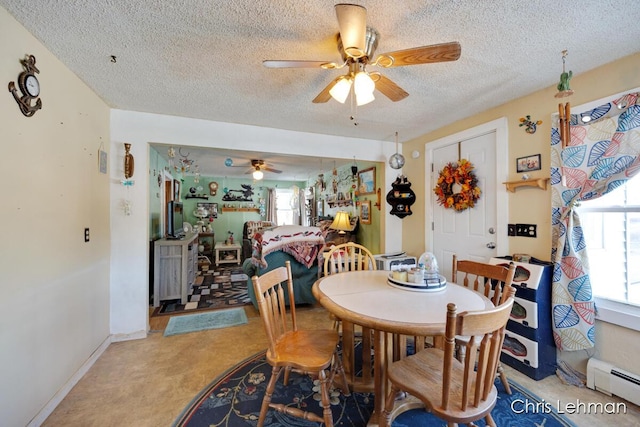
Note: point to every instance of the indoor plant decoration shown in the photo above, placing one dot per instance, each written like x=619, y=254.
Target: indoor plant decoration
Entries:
x=457, y=186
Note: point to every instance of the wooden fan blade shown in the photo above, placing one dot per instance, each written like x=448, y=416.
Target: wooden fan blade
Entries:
x=275, y=63
x=325, y=96
x=352, y=21
x=268, y=169
x=389, y=89
x=420, y=55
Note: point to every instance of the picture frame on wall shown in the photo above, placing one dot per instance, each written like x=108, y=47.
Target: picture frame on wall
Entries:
x=367, y=181
x=528, y=163
x=365, y=212
x=176, y=190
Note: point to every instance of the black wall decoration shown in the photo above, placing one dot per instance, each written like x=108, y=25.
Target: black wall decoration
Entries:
x=401, y=197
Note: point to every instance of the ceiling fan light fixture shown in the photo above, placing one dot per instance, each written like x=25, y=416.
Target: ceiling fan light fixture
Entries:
x=258, y=175
x=364, y=99
x=340, y=91
x=353, y=30
x=363, y=87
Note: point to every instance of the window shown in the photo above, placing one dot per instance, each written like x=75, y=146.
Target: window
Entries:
x=611, y=226
x=284, y=211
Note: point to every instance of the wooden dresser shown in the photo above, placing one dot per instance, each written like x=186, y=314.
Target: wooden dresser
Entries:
x=175, y=263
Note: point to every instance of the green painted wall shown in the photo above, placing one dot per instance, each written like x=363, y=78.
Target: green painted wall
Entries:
x=368, y=234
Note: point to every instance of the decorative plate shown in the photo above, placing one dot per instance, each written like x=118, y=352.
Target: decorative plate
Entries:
x=432, y=286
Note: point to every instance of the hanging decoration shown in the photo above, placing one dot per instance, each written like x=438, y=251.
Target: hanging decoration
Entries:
x=531, y=126
x=457, y=186
x=563, y=86
x=401, y=197
x=396, y=161
x=128, y=161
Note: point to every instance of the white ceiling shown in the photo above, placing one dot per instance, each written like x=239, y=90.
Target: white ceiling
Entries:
x=203, y=58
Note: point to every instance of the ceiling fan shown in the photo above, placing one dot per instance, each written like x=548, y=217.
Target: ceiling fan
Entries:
x=257, y=169
x=357, y=44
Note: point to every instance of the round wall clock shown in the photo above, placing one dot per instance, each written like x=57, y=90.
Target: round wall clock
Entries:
x=29, y=86
x=213, y=188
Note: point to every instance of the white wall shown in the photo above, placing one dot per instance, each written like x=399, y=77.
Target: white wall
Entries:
x=129, y=234
x=54, y=287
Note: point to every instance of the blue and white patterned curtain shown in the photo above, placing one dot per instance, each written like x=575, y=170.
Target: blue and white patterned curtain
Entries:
x=600, y=156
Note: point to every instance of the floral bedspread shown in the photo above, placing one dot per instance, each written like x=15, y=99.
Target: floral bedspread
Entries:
x=303, y=243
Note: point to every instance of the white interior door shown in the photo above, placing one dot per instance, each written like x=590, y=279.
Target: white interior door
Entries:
x=470, y=234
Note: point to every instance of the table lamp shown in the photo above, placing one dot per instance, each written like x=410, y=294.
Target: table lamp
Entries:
x=342, y=224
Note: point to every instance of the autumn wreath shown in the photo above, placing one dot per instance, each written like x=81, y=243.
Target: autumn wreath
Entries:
x=461, y=175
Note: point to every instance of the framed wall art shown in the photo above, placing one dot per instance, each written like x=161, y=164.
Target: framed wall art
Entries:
x=528, y=163
x=367, y=181
x=365, y=212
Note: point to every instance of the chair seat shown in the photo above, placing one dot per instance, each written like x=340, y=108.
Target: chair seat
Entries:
x=419, y=372
x=305, y=349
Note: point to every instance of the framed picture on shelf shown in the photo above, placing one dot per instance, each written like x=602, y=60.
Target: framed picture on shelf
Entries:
x=176, y=190
x=528, y=163
x=367, y=181
x=365, y=212
x=212, y=208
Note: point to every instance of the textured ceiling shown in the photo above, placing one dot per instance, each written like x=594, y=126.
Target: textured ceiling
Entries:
x=203, y=58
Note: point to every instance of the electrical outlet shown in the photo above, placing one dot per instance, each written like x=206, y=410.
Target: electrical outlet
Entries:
x=511, y=229
x=86, y=234
x=526, y=230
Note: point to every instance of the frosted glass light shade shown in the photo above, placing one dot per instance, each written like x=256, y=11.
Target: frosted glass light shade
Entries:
x=340, y=91
x=258, y=175
x=363, y=86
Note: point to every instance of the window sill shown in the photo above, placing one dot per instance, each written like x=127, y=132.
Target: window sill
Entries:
x=625, y=315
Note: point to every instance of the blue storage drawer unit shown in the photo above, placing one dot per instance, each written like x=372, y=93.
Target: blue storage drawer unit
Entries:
x=528, y=344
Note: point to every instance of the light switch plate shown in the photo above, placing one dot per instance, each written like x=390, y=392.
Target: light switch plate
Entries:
x=526, y=230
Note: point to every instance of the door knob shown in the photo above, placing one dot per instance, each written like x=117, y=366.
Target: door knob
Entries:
x=492, y=230
x=491, y=245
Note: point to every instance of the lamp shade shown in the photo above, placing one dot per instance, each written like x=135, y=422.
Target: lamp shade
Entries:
x=258, y=175
x=341, y=222
x=353, y=30
x=340, y=91
x=363, y=86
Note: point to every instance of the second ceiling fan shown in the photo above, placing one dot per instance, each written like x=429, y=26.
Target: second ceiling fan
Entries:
x=357, y=44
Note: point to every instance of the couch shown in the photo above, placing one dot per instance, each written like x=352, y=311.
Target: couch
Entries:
x=300, y=245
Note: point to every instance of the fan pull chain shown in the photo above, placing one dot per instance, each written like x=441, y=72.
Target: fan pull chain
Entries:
x=354, y=106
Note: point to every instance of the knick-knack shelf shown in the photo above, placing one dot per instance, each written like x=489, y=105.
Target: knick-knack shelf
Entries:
x=240, y=210
x=537, y=182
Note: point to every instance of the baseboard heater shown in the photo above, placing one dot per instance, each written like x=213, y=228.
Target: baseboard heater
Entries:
x=610, y=380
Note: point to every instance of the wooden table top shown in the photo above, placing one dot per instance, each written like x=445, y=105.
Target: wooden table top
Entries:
x=365, y=298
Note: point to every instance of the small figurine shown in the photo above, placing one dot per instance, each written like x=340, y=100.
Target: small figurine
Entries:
x=563, y=85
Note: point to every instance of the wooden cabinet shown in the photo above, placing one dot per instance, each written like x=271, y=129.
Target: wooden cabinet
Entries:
x=175, y=263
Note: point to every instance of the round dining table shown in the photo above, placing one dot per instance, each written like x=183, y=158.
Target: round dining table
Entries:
x=367, y=298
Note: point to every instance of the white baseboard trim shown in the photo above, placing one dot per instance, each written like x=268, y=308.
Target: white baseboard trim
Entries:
x=128, y=337
x=66, y=388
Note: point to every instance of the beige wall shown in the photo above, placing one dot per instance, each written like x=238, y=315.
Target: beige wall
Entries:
x=54, y=287
x=527, y=204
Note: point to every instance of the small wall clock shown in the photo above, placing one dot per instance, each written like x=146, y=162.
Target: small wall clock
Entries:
x=29, y=86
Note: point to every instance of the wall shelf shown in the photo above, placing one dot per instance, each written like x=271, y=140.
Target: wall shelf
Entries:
x=240, y=210
x=191, y=196
x=346, y=202
x=537, y=182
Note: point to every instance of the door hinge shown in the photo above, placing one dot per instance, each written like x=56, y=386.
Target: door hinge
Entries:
x=431, y=167
x=432, y=226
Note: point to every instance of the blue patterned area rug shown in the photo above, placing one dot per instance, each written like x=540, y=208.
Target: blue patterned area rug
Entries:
x=234, y=399
x=202, y=321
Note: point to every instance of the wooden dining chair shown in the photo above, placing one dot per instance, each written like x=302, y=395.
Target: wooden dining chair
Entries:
x=308, y=352
x=348, y=257
x=342, y=258
x=457, y=392
x=491, y=281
